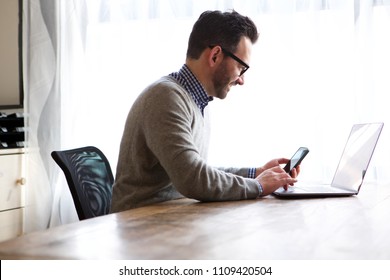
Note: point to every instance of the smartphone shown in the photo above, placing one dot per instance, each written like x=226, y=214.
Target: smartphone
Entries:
x=296, y=159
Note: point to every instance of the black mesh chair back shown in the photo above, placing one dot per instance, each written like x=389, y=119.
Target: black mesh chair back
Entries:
x=90, y=179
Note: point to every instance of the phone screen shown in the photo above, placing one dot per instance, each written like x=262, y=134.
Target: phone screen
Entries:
x=296, y=159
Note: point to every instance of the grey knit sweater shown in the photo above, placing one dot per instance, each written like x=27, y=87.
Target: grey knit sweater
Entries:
x=163, y=151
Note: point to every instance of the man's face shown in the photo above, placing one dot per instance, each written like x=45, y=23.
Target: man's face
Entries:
x=228, y=73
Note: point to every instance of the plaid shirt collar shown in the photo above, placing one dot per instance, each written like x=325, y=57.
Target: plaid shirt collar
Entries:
x=187, y=79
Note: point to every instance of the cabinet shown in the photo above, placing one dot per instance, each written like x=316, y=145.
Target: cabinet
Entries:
x=12, y=184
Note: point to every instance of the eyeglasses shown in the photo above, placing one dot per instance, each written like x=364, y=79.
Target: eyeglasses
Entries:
x=246, y=66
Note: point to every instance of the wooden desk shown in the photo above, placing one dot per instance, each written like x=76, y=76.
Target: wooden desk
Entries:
x=268, y=228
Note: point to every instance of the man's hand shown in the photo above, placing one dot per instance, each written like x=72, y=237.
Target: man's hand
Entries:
x=272, y=176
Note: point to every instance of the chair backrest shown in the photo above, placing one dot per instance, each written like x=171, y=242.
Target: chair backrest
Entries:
x=90, y=179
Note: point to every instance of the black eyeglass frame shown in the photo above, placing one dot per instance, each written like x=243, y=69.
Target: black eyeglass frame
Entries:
x=228, y=53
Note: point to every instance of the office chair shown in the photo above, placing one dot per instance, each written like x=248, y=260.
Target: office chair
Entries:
x=89, y=177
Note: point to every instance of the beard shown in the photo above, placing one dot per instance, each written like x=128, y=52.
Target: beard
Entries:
x=222, y=82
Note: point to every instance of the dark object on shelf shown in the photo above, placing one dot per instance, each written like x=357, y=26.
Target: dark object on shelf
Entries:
x=11, y=131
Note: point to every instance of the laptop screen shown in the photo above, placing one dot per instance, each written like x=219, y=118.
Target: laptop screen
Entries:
x=356, y=156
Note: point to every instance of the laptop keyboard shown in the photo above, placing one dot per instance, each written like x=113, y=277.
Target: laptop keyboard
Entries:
x=318, y=189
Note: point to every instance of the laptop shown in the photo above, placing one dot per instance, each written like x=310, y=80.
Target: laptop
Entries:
x=351, y=169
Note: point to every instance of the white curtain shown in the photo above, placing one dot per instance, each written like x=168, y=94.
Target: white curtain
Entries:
x=318, y=67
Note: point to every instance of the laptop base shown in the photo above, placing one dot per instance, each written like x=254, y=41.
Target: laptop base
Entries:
x=320, y=191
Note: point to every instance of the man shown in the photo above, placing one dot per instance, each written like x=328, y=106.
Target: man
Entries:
x=165, y=140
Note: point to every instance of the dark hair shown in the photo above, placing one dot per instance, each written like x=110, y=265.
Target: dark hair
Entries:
x=223, y=29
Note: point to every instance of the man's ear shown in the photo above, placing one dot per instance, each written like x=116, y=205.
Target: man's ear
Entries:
x=215, y=53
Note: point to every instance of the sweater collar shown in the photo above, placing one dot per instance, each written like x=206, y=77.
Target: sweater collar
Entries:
x=188, y=80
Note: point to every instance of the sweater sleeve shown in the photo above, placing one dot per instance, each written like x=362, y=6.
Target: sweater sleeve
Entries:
x=173, y=128
x=244, y=172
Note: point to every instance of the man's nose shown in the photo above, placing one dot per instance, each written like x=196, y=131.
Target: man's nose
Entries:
x=240, y=81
